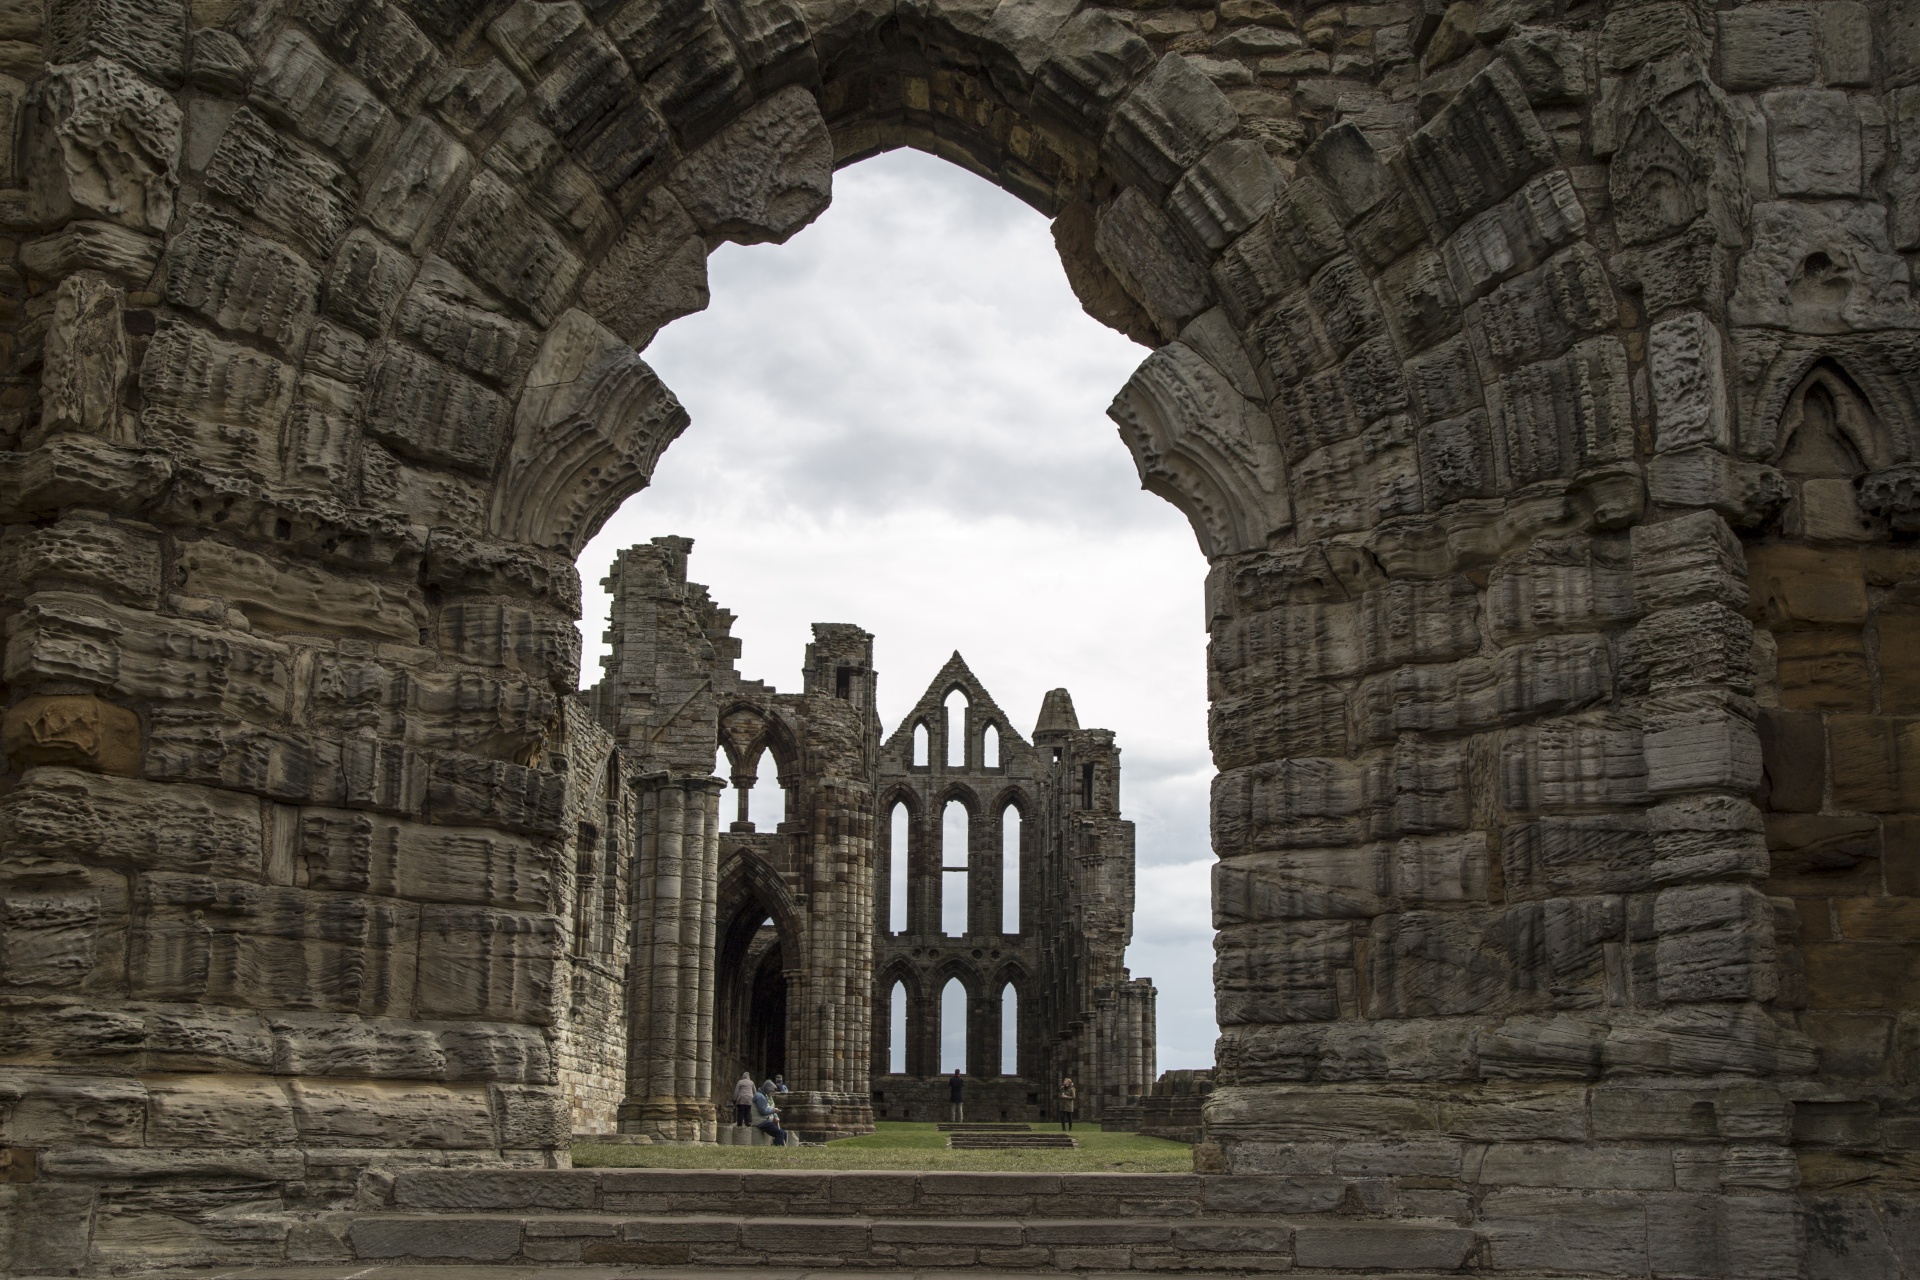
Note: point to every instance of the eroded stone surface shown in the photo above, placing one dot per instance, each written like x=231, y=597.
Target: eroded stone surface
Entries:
x=1540, y=387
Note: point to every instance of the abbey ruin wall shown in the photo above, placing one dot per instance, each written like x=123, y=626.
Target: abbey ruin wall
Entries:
x=1538, y=379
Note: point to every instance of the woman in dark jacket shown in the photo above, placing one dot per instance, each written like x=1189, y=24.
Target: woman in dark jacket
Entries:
x=957, y=1096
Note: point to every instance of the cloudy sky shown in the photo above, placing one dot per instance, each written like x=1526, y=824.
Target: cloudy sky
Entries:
x=899, y=421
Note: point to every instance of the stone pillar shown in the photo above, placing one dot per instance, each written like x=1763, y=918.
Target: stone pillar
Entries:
x=671, y=993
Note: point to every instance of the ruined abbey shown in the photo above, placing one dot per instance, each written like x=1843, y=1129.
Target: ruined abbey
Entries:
x=1538, y=376
x=700, y=948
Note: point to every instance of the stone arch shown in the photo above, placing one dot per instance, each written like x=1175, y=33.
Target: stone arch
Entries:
x=901, y=972
x=751, y=1001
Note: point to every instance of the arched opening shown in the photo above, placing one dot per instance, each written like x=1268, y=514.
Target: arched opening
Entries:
x=899, y=837
x=1009, y=1030
x=897, y=1029
x=709, y=487
x=955, y=723
x=766, y=803
x=1010, y=869
x=954, y=867
x=953, y=1027
x=750, y=996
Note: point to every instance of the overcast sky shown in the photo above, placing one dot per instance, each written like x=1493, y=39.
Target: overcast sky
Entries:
x=899, y=421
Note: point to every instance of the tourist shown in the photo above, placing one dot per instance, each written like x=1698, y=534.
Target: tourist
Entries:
x=769, y=1118
x=1068, y=1096
x=779, y=1083
x=743, y=1100
x=957, y=1096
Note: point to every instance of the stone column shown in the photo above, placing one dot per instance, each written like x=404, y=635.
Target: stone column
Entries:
x=675, y=883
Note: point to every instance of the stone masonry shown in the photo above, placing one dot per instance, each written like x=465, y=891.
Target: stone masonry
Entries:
x=1539, y=380
x=786, y=930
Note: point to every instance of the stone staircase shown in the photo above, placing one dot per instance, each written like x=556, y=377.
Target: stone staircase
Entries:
x=984, y=1126
x=1008, y=1222
x=974, y=1140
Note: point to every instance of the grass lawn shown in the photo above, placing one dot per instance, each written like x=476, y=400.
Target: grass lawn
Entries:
x=898, y=1145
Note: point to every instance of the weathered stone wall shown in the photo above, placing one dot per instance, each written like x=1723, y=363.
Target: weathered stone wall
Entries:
x=596, y=870
x=1078, y=1012
x=1478, y=327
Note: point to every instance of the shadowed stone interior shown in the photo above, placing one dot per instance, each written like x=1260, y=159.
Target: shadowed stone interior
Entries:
x=1538, y=379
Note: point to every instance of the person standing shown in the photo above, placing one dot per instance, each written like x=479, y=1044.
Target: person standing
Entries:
x=743, y=1100
x=957, y=1096
x=1069, y=1099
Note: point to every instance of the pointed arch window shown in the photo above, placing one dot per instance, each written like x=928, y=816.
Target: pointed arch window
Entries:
x=897, y=1030
x=1009, y=1031
x=990, y=747
x=920, y=738
x=956, y=718
x=899, y=836
x=953, y=869
x=953, y=1027
x=1010, y=869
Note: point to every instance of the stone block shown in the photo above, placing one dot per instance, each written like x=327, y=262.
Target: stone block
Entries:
x=46, y=1109
x=1694, y=559
x=408, y=198
x=1815, y=137
x=1861, y=975
x=1707, y=838
x=213, y=1110
x=240, y=281
x=1542, y=312
x=1599, y=1231
x=74, y=730
x=1566, y=765
x=1479, y=149
x=110, y=147
x=291, y=189
x=1389, y=1245
x=1793, y=749
x=1167, y=124
x=1577, y=1166
x=1701, y=741
x=1764, y=46
x=499, y=240
x=425, y=410
x=474, y=1239
x=1875, y=762
x=221, y=398
x=763, y=177
x=1223, y=195
x=297, y=83
x=1689, y=383
x=300, y=598
x=1824, y=671
x=1901, y=857
x=1716, y=943
x=1095, y=58
x=1141, y=247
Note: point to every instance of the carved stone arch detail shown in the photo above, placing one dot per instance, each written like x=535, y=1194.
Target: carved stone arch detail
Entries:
x=969, y=799
x=948, y=968
x=1014, y=796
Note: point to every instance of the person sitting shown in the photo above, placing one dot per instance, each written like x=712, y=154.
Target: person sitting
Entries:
x=769, y=1118
x=779, y=1083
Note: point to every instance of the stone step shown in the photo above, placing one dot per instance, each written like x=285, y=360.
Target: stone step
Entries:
x=821, y=1193
x=968, y=1126
x=1243, y=1242
x=1010, y=1141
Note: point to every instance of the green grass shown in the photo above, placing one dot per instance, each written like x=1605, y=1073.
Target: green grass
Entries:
x=899, y=1145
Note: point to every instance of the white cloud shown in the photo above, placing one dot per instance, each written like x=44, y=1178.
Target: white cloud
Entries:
x=899, y=420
